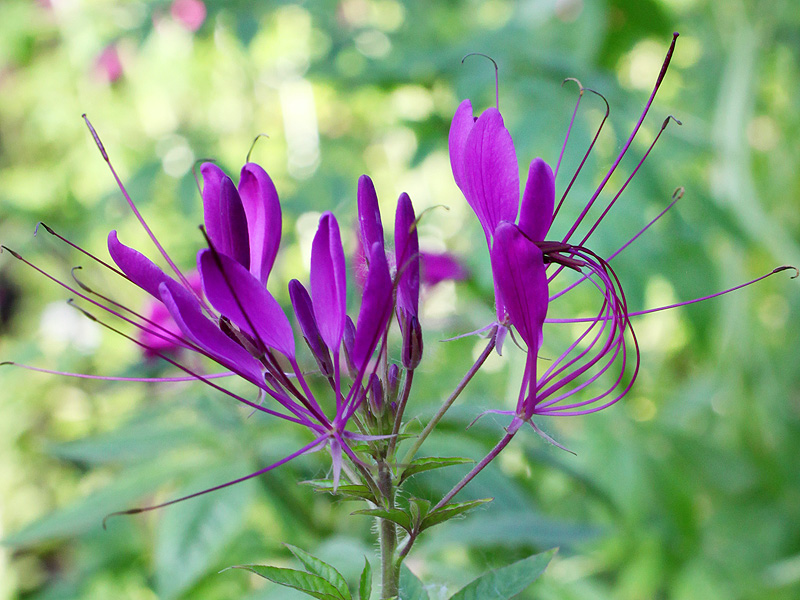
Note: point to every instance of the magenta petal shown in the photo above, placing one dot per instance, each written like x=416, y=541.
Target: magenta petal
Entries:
x=376, y=308
x=406, y=243
x=538, y=201
x=329, y=281
x=491, y=173
x=225, y=220
x=235, y=293
x=187, y=313
x=462, y=124
x=519, y=274
x=369, y=214
x=263, y=210
x=139, y=269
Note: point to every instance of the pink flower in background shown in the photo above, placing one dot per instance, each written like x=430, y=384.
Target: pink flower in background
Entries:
x=441, y=266
x=108, y=66
x=189, y=13
x=154, y=345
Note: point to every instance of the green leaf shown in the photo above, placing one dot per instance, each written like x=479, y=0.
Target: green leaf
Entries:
x=87, y=513
x=308, y=583
x=506, y=582
x=392, y=514
x=350, y=491
x=448, y=511
x=192, y=536
x=429, y=463
x=419, y=509
x=411, y=588
x=323, y=569
x=365, y=585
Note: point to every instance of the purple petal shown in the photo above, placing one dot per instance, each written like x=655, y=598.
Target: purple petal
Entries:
x=491, y=173
x=235, y=293
x=538, y=201
x=406, y=242
x=328, y=281
x=186, y=311
x=462, y=124
x=226, y=223
x=376, y=308
x=369, y=214
x=519, y=274
x=263, y=210
x=139, y=269
x=437, y=267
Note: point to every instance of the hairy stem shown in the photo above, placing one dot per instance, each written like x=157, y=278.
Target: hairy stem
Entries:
x=401, y=407
x=390, y=572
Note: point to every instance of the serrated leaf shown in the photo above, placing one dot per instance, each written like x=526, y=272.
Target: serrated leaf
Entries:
x=323, y=569
x=365, y=584
x=392, y=514
x=350, y=491
x=429, y=463
x=448, y=511
x=411, y=588
x=308, y=583
x=506, y=582
x=192, y=536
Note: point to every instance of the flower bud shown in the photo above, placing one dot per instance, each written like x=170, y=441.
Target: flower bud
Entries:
x=393, y=380
x=303, y=309
x=412, y=342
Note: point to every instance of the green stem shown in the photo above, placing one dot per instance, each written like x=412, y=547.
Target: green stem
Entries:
x=449, y=402
x=401, y=407
x=390, y=572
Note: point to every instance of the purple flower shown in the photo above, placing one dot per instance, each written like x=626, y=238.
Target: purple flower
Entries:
x=527, y=262
x=234, y=321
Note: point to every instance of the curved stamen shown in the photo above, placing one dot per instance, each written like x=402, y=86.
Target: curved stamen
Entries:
x=571, y=121
x=496, y=75
x=51, y=231
x=194, y=171
x=253, y=145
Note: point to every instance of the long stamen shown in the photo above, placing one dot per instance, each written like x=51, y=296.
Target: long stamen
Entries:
x=283, y=461
x=109, y=378
x=52, y=232
x=197, y=376
x=687, y=302
x=588, y=150
x=628, y=180
x=627, y=145
x=133, y=206
x=496, y=75
x=571, y=121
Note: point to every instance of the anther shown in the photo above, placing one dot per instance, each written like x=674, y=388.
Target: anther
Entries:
x=678, y=193
x=667, y=120
x=96, y=138
x=253, y=145
x=496, y=75
x=581, y=89
x=786, y=268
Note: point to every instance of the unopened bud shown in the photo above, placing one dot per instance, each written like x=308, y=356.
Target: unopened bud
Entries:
x=412, y=342
x=376, y=395
x=349, y=343
x=303, y=309
x=393, y=380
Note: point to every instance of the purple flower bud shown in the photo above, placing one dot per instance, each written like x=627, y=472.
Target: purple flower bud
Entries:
x=393, y=380
x=376, y=395
x=406, y=242
x=349, y=343
x=303, y=310
x=369, y=215
x=412, y=341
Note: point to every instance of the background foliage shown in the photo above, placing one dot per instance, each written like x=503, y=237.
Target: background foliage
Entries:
x=688, y=488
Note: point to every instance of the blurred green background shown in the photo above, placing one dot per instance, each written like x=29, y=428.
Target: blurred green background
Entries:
x=689, y=488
